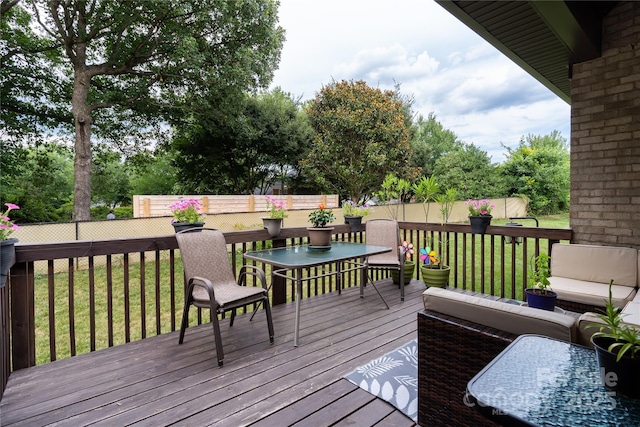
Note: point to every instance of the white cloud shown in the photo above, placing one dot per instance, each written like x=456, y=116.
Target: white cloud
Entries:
x=473, y=89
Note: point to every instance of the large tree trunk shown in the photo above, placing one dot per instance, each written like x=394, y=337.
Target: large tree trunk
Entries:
x=82, y=163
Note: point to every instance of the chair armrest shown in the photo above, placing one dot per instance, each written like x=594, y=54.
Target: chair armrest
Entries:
x=203, y=283
x=252, y=270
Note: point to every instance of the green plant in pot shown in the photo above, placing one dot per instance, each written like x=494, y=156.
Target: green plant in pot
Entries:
x=617, y=347
x=433, y=272
x=407, y=252
x=186, y=214
x=354, y=212
x=320, y=234
x=539, y=293
x=395, y=192
x=277, y=212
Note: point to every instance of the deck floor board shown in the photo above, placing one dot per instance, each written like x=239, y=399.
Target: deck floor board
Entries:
x=156, y=382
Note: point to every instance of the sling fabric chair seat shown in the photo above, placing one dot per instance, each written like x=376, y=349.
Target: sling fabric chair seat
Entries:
x=211, y=283
x=385, y=232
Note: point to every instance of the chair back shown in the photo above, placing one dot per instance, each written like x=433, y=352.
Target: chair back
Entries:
x=384, y=232
x=204, y=254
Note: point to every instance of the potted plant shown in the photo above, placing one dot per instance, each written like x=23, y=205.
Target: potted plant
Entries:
x=479, y=215
x=353, y=213
x=406, y=249
x=7, y=245
x=186, y=214
x=277, y=212
x=617, y=347
x=320, y=234
x=394, y=192
x=539, y=293
x=434, y=273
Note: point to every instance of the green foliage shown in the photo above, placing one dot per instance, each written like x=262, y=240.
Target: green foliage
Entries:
x=137, y=66
x=321, y=217
x=109, y=180
x=446, y=201
x=539, y=272
x=626, y=338
x=539, y=170
x=426, y=190
x=40, y=183
x=152, y=173
x=394, y=191
x=360, y=132
x=253, y=150
x=430, y=142
x=468, y=169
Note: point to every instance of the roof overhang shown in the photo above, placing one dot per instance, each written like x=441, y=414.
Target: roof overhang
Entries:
x=545, y=38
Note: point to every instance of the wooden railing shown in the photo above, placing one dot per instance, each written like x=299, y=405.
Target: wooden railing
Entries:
x=140, y=281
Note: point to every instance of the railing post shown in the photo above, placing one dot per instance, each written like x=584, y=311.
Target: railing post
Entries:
x=279, y=286
x=23, y=335
x=5, y=343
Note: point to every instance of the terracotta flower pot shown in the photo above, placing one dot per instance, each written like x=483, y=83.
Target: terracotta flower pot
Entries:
x=320, y=237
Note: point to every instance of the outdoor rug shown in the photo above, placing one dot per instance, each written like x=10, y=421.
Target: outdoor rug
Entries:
x=392, y=377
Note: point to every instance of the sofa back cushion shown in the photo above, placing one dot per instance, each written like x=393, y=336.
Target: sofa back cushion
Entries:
x=593, y=263
x=504, y=316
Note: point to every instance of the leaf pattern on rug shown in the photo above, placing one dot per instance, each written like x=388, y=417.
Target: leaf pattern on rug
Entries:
x=378, y=367
x=392, y=377
x=410, y=353
x=407, y=380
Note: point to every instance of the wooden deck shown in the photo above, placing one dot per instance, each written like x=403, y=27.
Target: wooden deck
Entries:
x=157, y=382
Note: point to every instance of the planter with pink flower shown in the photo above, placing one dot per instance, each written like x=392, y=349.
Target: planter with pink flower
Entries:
x=277, y=212
x=187, y=215
x=7, y=244
x=320, y=234
x=479, y=215
x=407, y=252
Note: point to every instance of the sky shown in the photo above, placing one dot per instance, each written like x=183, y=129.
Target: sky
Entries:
x=473, y=89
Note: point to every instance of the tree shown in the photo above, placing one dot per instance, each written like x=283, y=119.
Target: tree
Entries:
x=431, y=141
x=133, y=67
x=539, y=169
x=468, y=169
x=239, y=154
x=110, y=180
x=153, y=173
x=361, y=135
x=41, y=185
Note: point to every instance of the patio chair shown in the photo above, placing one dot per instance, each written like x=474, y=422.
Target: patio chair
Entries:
x=385, y=232
x=212, y=285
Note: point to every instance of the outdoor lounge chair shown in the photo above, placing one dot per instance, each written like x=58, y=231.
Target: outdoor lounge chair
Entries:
x=212, y=285
x=385, y=232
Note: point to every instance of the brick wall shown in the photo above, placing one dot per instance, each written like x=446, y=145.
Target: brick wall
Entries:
x=605, y=136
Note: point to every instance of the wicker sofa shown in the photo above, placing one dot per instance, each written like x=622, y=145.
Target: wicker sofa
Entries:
x=458, y=334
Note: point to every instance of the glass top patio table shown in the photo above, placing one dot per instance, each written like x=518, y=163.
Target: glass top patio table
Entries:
x=304, y=256
x=297, y=258
x=541, y=381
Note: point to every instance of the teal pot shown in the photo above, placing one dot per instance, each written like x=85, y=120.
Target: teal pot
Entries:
x=479, y=224
x=543, y=300
x=355, y=223
x=409, y=269
x=272, y=225
x=181, y=226
x=7, y=258
x=320, y=237
x=621, y=376
x=435, y=276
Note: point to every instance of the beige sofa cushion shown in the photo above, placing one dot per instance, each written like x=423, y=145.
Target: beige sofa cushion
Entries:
x=591, y=293
x=592, y=263
x=511, y=318
x=631, y=318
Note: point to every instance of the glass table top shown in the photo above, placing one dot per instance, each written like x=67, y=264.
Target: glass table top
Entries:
x=546, y=382
x=305, y=256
